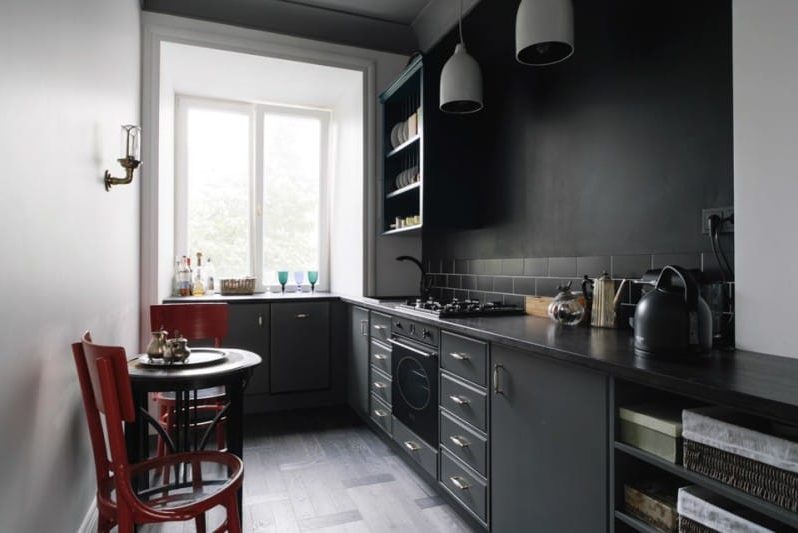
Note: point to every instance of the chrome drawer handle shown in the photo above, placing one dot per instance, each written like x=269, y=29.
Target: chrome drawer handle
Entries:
x=378, y=328
x=303, y=315
x=410, y=348
x=460, y=400
x=364, y=328
x=412, y=446
x=459, y=441
x=380, y=385
x=459, y=482
x=380, y=356
x=496, y=385
x=459, y=356
x=380, y=413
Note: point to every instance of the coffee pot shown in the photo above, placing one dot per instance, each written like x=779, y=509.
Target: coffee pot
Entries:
x=606, y=301
x=157, y=345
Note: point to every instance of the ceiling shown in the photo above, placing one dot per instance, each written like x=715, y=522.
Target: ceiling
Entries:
x=399, y=11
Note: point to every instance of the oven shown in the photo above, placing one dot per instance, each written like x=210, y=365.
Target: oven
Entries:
x=414, y=387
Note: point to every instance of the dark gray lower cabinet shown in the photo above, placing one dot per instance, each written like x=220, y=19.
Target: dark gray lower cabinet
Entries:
x=248, y=329
x=549, y=445
x=300, y=347
x=357, y=361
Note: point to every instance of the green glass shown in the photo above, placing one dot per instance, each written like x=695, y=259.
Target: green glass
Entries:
x=282, y=277
x=313, y=278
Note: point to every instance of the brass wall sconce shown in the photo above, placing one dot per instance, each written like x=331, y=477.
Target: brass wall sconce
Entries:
x=131, y=156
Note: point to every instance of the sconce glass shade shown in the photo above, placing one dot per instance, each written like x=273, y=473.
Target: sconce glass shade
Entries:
x=544, y=31
x=131, y=146
x=461, y=83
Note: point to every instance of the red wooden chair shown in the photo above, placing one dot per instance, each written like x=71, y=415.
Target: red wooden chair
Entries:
x=194, y=322
x=106, y=390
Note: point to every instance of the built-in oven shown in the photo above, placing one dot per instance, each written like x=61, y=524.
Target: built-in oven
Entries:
x=414, y=387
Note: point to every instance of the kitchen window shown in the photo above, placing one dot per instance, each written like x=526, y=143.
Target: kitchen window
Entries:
x=251, y=187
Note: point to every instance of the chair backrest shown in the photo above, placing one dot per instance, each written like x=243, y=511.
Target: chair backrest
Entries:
x=105, y=387
x=193, y=321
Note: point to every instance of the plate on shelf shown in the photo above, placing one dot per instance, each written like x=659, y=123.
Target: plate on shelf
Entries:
x=395, y=135
x=402, y=132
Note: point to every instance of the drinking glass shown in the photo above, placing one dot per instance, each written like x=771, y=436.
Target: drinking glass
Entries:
x=313, y=278
x=299, y=277
x=282, y=277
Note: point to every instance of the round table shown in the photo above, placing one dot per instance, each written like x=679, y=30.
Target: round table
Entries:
x=233, y=373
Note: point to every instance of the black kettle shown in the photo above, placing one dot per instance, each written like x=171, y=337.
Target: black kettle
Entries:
x=673, y=321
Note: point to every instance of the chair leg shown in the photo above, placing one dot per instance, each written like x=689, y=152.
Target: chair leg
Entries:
x=200, y=523
x=124, y=520
x=233, y=520
x=220, y=436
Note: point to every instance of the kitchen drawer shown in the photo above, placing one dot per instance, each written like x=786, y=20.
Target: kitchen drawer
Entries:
x=380, y=326
x=380, y=357
x=380, y=413
x=464, y=401
x=380, y=385
x=421, y=452
x=468, y=358
x=416, y=330
x=465, y=443
x=464, y=485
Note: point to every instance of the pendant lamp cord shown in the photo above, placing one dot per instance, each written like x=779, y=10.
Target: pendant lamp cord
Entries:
x=460, y=23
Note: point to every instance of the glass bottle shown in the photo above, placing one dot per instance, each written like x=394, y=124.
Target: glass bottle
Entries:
x=190, y=276
x=210, y=277
x=184, y=276
x=176, y=278
x=198, y=288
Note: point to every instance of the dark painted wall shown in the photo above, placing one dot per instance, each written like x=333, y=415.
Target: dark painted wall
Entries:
x=614, y=151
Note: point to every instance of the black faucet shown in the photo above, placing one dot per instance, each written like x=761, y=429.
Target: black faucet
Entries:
x=426, y=281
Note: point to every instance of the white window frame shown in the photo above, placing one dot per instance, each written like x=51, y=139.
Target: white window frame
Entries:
x=256, y=112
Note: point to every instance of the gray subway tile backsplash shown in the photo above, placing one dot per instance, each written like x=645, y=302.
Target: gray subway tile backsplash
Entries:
x=511, y=279
x=564, y=267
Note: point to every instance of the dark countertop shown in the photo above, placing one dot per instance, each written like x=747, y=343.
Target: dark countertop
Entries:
x=759, y=383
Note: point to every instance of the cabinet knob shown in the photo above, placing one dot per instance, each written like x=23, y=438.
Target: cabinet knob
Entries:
x=303, y=315
x=260, y=321
x=460, y=400
x=412, y=446
x=459, y=482
x=459, y=441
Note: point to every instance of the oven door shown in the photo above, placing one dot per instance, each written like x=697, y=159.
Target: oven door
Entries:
x=414, y=388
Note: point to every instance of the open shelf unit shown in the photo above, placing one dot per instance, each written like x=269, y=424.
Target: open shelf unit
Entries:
x=403, y=154
x=629, y=463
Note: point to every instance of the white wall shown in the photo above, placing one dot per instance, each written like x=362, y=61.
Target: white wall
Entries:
x=765, y=47
x=69, y=260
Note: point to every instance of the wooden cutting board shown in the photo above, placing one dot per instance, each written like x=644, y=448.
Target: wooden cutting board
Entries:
x=537, y=305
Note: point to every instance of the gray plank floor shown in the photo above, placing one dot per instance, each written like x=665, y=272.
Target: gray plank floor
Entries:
x=325, y=471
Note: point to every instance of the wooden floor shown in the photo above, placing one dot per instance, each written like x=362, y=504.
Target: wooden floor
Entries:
x=325, y=471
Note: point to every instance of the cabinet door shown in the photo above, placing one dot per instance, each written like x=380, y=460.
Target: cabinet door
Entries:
x=248, y=329
x=358, y=359
x=300, y=347
x=548, y=445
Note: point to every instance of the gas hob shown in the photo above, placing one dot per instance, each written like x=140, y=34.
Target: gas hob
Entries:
x=460, y=308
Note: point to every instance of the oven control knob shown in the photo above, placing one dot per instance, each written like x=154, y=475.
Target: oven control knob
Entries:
x=426, y=333
x=398, y=325
x=412, y=329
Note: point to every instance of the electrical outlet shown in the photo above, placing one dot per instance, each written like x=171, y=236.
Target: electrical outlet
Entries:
x=722, y=212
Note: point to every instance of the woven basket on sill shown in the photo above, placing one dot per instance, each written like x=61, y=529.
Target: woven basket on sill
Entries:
x=777, y=486
x=690, y=526
x=237, y=285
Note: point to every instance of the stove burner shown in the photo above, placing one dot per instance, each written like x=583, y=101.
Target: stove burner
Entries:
x=460, y=309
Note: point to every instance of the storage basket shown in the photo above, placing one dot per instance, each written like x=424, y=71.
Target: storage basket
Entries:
x=689, y=526
x=237, y=285
x=742, y=452
x=703, y=511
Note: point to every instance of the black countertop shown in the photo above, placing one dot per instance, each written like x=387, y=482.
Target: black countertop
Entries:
x=759, y=383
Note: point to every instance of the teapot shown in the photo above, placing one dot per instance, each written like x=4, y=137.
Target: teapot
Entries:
x=157, y=345
x=606, y=301
x=567, y=308
x=177, y=349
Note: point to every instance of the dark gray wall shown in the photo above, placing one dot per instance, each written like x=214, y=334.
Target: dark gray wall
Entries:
x=613, y=152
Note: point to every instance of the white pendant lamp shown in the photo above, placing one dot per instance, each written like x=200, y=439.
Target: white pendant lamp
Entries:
x=544, y=31
x=461, y=80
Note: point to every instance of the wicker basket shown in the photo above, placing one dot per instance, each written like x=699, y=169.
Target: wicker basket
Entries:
x=690, y=526
x=764, y=481
x=237, y=285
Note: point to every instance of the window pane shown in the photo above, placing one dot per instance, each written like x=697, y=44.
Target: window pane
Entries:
x=218, y=170
x=291, y=193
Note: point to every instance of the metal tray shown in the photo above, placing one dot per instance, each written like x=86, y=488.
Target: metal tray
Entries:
x=198, y=357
